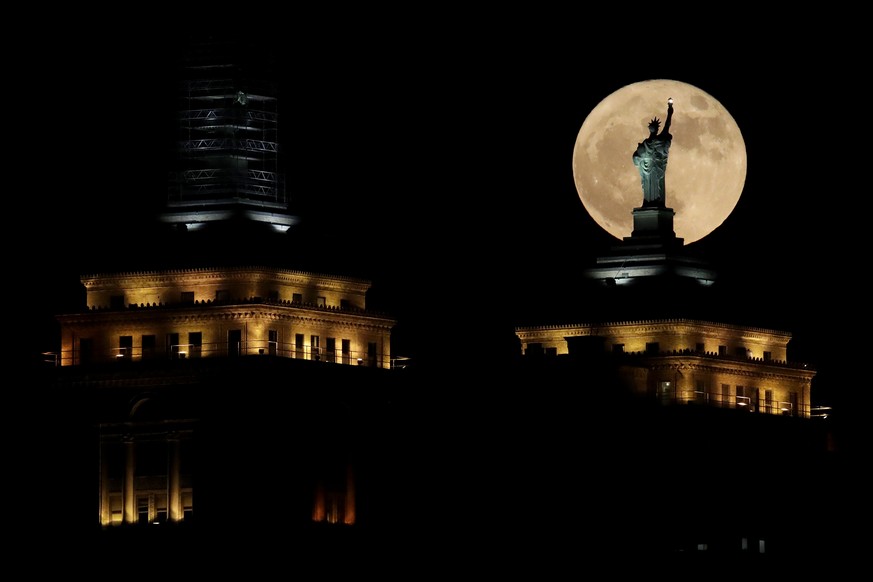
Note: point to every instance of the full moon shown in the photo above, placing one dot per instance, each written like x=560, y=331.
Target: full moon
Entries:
x=706, y=165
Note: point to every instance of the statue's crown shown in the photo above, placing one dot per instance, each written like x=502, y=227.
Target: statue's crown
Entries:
x=655, y=123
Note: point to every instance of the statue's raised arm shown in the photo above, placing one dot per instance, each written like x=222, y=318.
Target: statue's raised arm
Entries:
x=666, y=129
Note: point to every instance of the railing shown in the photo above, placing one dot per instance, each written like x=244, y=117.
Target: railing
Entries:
x=179, y=193
x=820, y=411
x=225, y=349
x=224, y=113
x=739, y=402
x=226, y=143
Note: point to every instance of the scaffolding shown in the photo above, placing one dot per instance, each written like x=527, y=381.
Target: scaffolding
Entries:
x=228, y=154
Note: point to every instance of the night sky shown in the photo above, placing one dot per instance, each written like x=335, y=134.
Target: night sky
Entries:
x=444, y=157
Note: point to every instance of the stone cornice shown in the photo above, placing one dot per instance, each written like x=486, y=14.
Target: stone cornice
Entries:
x=644, y=325
x=173, y=277
x=204, y=313
x=757, y=370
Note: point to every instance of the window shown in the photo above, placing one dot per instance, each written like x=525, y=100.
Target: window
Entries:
x=297, y=298
x=330, y=350
x=272, y=342
x=743, y=401
x=173, y=345
x=371, y=354
x=222, y=296
x=653, y=348
x=234, y=342
x=768, y=401
x=665, y=392
x=740, y=352
x=699, y=348
x=347, y=351
x=116, y=301
x=187, y=505
x=195, y=344
x=298, y=346
x=125, y=347
x=722, y=350
x=149, y=346
x=322, y=302
x=700, y=395
x=345, y=304
x=144, y=509
x=792, y=402
x=272, y=295
x=768, y=356
x=151, y=508
x=617, y=348
x=314, y=348
x=725, y=394
x=86, y=350
x=187, y=298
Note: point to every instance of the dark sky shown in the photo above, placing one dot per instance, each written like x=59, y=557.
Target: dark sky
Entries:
x=443, y=155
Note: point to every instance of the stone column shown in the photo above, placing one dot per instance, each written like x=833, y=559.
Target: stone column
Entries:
x=349, y=513
x=128, y=489
x=174, y=486
x=105, y=508
x=318, y=505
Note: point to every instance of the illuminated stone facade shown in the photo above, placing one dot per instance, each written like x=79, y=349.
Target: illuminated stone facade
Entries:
x=200, y=313
x=132, y=489
x=209, y=357
x=682, y=360
x=140, y=347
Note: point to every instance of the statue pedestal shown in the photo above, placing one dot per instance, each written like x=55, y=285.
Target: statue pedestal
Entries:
x=654, y=222
x=652, y=252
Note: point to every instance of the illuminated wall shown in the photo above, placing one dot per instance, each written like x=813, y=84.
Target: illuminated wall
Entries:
x=145, y=472
x=227, y=312
x=334, y=500
x=692, y=361
x=670, y=335
x=223, y=285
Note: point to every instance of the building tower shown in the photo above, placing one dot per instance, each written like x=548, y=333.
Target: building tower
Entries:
x=701, y=405
x=205, y=355
x=229, y=157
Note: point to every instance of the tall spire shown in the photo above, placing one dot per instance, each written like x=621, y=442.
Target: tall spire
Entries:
x=228, y=155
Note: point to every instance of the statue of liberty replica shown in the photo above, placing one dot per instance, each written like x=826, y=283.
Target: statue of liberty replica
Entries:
x=650, y=158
